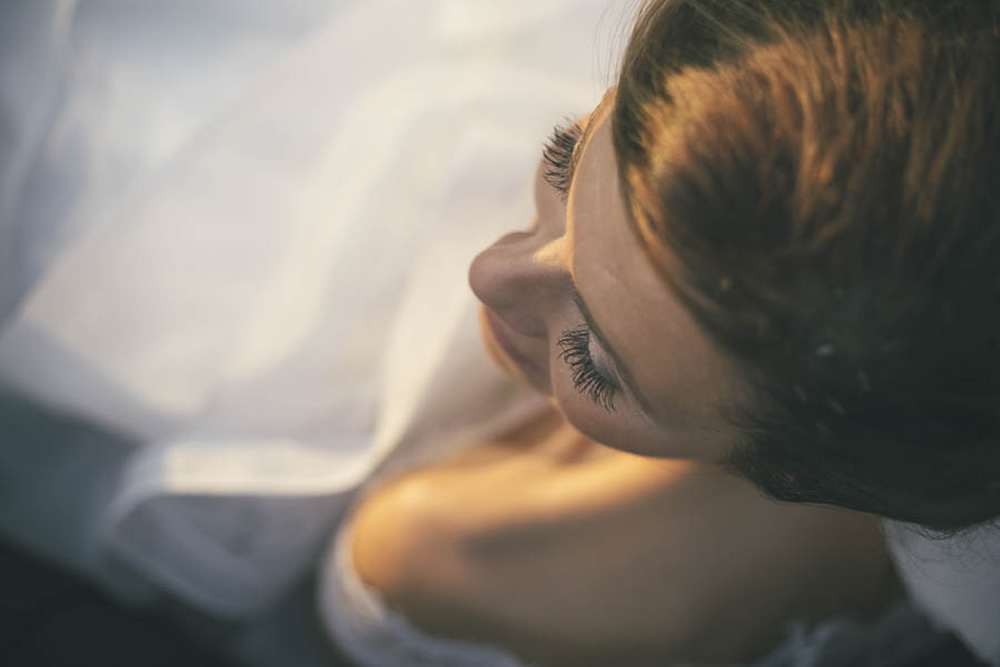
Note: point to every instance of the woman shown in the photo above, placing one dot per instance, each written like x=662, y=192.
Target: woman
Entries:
x=760, y=263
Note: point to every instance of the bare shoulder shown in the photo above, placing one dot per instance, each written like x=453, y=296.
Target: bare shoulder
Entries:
x=609, y=553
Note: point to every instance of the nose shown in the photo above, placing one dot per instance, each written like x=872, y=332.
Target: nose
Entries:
x=523, y=278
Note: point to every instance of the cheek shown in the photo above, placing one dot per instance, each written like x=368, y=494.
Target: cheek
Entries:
x=621, y=429
x=625, y=429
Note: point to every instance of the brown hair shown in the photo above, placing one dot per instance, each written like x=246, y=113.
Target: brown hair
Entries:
x=819, y=182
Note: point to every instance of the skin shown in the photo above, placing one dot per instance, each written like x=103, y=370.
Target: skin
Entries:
x=526, y=280
x=589, y=536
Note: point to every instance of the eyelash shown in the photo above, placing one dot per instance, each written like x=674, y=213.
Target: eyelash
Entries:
x=587, y=379
x=558, y=156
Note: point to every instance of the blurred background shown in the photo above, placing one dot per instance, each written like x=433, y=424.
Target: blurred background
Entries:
x=224, y=227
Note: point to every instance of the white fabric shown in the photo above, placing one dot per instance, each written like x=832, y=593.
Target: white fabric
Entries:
x=956, y=581
x=243, y=231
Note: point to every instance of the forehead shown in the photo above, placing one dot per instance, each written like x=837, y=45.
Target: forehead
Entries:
x=684, y=379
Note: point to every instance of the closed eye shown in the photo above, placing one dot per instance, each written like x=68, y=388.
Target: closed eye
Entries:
x=559, y=155
x=588, y=379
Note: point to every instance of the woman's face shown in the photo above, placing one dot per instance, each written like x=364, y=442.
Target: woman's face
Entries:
x=575, y=308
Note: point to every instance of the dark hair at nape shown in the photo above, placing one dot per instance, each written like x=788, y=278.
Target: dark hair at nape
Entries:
x=819, y=182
